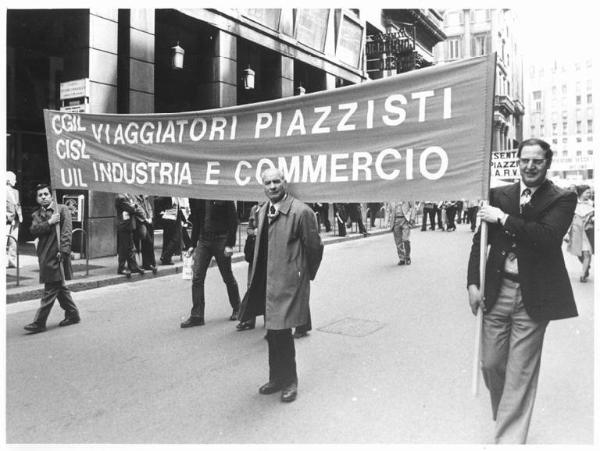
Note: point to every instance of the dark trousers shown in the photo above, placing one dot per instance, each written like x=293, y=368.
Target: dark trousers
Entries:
x=307, y=326
x=472, y=215
x=126, y=255
x=52, y=291
x=171, y=240
x=144, y=236
x=428, y=213
x=205, y=251
x=282, y=357
x=450, y=214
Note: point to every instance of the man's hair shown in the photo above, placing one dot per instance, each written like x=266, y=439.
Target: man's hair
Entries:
x=581, y=189
x=277, y=170
x=40, y=186
x=537, y=142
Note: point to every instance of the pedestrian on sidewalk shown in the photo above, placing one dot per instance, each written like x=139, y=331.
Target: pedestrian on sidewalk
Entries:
x=429, y=211
x=249, y=257
x=127, y=211
x=214, y=230
x=144, y=231
x=581, y=233
x=402, y=215
x=288, y=253
x=168, y=214
x=52, y=226
x=526, y=286
x=14, y=217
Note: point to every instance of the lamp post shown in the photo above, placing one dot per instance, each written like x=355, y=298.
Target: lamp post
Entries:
x=177, y=54
x=248, y=78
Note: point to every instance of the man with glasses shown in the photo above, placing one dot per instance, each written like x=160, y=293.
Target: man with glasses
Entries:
x=526, y=285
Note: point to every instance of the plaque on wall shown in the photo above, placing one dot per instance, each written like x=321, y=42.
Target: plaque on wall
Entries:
x=269, y=17
x=349, y=42
x=311, y=27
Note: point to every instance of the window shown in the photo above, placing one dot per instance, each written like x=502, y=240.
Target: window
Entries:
x=590, y=138
x=554, y=128
x=554, y=141
x=532, y=130
x=589, y=98
x=590, y=126
x=565, y=154
x=508, y=88
x=579, y=139
x=564, y=128
x=564, y=140
x=578, y=100
x=578, y=153
x=590, y=152
x=480, y=15
x=480, y=45
x=578, y=126
x=554, y=90
x=564, y=90
x=541, y=129
x=453, y=18
x=537, y=100
x=454, y=49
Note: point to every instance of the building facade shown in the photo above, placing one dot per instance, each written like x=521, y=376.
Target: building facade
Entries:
x=561, y=112
x=478, y=32
x=124, y=62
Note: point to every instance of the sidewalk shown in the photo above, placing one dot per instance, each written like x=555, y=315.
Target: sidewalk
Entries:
x=103, y=270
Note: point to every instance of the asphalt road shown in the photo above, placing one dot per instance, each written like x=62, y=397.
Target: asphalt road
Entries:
x=388, y=361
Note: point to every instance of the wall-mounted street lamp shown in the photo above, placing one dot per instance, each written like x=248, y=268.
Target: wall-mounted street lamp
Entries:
x=300, y=90
x=248, y=78
x=177, y=57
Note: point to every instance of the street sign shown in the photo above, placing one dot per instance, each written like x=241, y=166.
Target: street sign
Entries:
x=75, y=89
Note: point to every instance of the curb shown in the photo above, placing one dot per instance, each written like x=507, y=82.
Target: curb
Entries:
x=104, y=280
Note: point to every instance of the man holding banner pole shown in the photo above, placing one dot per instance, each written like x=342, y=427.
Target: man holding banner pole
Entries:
x=526, y=285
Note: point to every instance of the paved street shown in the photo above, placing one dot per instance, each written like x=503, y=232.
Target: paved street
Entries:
x=389, y=361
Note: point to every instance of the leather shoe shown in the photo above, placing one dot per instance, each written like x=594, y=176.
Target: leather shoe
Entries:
x=246, y=325
x=290, y=392
x=34, y=328
x=401, y=262
x=192, y=321
x=150, y=268
x=124, y=272
x=269, y=388
x=140, y=271
x=69, y=321
x=234, y=316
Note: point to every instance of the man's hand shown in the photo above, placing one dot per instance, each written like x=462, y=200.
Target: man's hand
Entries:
x=228, y=251
x=490, y=214
x=189, y=252
x=475, y=299
x=54, y=219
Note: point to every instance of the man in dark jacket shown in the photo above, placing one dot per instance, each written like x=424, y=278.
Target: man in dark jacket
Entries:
x=287, y=255
x=126, y=224
x=526, y=285
x=214, y=228
x=52, y=226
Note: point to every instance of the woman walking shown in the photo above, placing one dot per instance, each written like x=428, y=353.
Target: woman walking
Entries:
x=581, y=234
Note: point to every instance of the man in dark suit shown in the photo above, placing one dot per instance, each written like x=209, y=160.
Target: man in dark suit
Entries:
x=52, y=226
x=526, y=285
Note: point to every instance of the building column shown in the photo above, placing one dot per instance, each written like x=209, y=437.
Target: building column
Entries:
x=221, y=91
x=103, y=61
x=141, y=61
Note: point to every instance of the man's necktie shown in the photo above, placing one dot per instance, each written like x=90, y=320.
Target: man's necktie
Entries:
x=525, y=198
x=272, y=210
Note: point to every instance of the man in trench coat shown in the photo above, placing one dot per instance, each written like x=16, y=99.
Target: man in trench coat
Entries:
x=54, y=258
x=287, y=255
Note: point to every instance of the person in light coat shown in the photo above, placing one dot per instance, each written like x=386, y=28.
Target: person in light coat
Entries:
x=287, y=255
x=14, y=217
